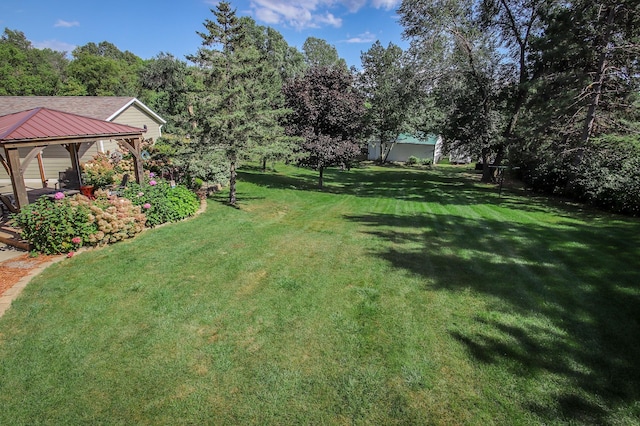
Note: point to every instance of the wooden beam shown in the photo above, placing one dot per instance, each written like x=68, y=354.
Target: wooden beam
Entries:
x=43, y=175
x=133, y=146
x=15, y=143
x=17, y=177
x=73, y=149
x=5, y=165
x=30, y=156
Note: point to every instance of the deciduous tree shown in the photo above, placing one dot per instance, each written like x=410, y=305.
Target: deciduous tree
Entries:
x=388, y=84
x=327, y=112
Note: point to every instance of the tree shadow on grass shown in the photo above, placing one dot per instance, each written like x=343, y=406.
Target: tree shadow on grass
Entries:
x=446, y=186
x=573, y=289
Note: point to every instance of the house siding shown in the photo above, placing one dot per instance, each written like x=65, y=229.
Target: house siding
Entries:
x=402, y=151
x=137, y=117
x=55, y=158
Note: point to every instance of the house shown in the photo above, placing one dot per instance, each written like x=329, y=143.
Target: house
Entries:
x=422, y=147
x=116, y=109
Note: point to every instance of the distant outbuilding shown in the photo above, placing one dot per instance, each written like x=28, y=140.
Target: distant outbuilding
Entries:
x=426, y=147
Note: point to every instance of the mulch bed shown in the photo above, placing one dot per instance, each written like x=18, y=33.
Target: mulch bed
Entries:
x=12, y=270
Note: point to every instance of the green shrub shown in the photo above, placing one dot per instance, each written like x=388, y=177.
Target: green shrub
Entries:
x=425, y=162
x=413, y=160
x=609, y=175
x=162, y=203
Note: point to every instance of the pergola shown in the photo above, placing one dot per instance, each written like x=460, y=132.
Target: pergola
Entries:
x=41, y=127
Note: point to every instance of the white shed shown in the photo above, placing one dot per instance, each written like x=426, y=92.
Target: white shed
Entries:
x=421, y=147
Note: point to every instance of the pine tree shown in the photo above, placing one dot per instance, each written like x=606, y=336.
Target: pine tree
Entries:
x=234, y=113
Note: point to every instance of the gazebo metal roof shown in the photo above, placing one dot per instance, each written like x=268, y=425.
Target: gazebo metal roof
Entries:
x=42, y=124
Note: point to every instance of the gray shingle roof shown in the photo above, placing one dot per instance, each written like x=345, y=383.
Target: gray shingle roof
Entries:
x=100, y=107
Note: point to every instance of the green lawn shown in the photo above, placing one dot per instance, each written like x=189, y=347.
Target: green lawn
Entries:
x=394, y=296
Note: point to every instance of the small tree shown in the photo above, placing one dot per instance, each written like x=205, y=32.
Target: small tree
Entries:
x=327, y=112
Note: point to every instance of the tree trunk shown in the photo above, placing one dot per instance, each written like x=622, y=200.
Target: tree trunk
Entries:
x=320, y=181
x=486, y=170
x=264, y=164
x=590, y=119
x=232, y=184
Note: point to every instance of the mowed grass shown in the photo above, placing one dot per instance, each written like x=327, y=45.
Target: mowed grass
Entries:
x=394, y=296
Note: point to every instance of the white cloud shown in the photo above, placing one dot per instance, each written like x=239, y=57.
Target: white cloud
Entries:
x=329, y=19
x=311, y=13
x=362, y=38
x=385, y=4
x=58, y=46
x=268, y=16
x=353, y=5
x=66, y=24
x=303, y=13
x=281, y=11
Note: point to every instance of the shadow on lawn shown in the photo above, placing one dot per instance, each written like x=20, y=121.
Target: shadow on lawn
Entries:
x=575, y=287
x=444, y=186
x=451, y=186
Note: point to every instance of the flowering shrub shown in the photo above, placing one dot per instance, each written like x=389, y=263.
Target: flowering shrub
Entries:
x=54, y=227
x=69, y=223
x=161, y=202
x=99, y=171
x=113, y=218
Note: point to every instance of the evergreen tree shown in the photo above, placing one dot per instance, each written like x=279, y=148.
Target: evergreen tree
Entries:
x=235, y=112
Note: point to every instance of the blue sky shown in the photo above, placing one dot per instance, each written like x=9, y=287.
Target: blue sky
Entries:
x=147, y=28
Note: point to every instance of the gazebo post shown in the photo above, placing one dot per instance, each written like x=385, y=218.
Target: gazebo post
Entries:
x=73, y=149
x=137, y=161
x=133, y=146
x=17, y=177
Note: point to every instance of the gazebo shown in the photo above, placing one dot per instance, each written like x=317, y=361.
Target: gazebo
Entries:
x=38, y=128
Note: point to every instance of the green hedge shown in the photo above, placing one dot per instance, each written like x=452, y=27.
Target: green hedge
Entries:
x=161, y=202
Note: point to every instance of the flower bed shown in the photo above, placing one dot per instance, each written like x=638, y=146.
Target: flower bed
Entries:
x=162, y=202
x=64, y=225
x=68, y=223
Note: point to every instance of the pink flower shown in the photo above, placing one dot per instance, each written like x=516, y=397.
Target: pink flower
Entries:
x=151, y=174
x=70, y=254
x=59, y=196
x=153, y=182
x=140, y=194
x=146, y=206
x=76, y=240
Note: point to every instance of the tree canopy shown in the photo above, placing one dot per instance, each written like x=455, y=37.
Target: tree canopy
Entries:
x=327, y=112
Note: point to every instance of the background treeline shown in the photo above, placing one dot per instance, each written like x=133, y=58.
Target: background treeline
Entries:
x=549, y=88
